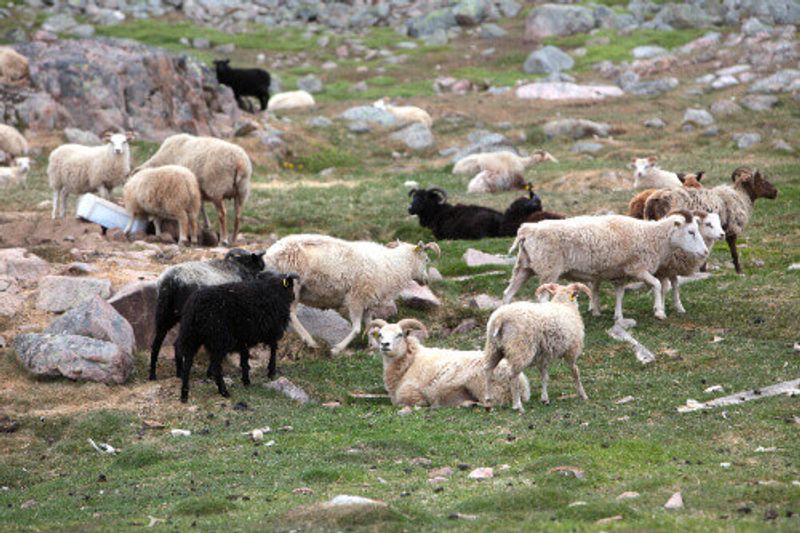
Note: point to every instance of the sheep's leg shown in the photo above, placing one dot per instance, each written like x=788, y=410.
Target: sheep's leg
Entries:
x=217, y=364
x=676, y=295
x=62, y=203
x=731, y=240
x=129, y=226
x=194, y=233
x=595, y=299
x=206, y=221
x=102, y=191
x=545, y=374
x=237, y=210
x=187, y=358
x=263, y=100
x=490, y=363
x=183, y=227
x=516, y=398
x=576, y=374
x=273, y=360
x=356, y=314
x=298, y=327
x=244, y=362
x=157, y=224
x=619, y=294
x=518, y=279
x=223, y=231
x=664, y=289
x=651, y=280
x=56, y=197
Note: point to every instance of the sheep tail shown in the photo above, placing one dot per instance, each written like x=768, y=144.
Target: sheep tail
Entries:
x=518, y=242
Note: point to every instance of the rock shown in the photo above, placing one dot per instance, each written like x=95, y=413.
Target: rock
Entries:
x=201, y=43
x=77, y=136
x=417, y=296
x=444, y=472
x=653, y=87
x=359, y=87
x=358, y=126
x=434, y=275
x=59, y=293
x=136, y=302
x=586, y=148
x=655, y=123
x=438, y=19
x=3, y=342
x=82, y=31
x=369, y=114
x=437, y=38
x=648, y=52
x=484, y=141
x=470, y=12
x=320, y=122
x=509, y=8
x=474, y=258
x=782, y=146
x=11, y=301
x=20, y=265
x=245, y=127
x=759, y=102
x=60, y=23
x=416, y=136
x=628, y=495
x=547, y=59
x=575, y=128
x=97, y=319
x=227, y=48
x=288, y=389
x=711, y=131
x=559, y=90
x=74, y=357
x=551, y=20
x=349, y=501
x=746, y=140
x=675, y=501
x=778, y=82
x=724, y=108
x=723, y=82
x=310, y=83
x=481, y=473
x=753, y=26
x=465, y=326
x=491, y=31
x=484, y=301
x=683, y=16
x=326, y=324
x=78, y=269
x=697, y=117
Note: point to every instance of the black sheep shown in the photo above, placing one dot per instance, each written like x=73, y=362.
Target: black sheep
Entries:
x=244, y=82
x=177, y=283
x=234, y=317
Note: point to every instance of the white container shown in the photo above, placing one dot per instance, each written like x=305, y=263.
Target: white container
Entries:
x=107, y=214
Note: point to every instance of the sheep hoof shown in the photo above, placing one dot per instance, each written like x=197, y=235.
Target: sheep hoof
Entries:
x=626, y=323
x=661, y=315
x=246, y=382
x=681, y=311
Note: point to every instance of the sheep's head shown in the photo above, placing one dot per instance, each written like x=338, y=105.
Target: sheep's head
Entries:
x=562, y=293
x=287, y=282
x=118, y=142
x=710, y=226
x=392, y=338
x=381, y=102
x=221, y=65
x=692, y=181
x=539, y=156
x=420, y=267
x=252, y=261
x=426, y=199
x=754, y=184
x=23, y=163
x=686, y=233
x=642, y=166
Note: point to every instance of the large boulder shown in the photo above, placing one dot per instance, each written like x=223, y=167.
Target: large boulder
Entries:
x=575, y=128
x=418, y=296
x=11, y=301
x=416, y=136
x=470, y=12
x=95, y=318
x=546, y=60
x=17, y=263
x=136, y=302
x=482, y=141
x=59, y=293
x=326, y=324
x=74, y=357
x=553, y=20
x=769, y=11
x=369, y=114
x=428, y=24
x=778, y=82
x=685, y=15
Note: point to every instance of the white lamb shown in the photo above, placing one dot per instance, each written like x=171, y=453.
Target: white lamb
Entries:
x=414, y=374
x=78, y=169
x=502, y=161
x=13, y=65
x=406, y=113
x=524, y=333
x=12, y=143
x=608, y=247
x=290, y=100
x=359, y=275
x=647, y=175
x=17, y=174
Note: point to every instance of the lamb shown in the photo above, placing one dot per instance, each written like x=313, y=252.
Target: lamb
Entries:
x=178, y=282
x=472, y=221
x=170, y=191
x=234, y=317
x=244, y=82
x=223, y=171
x=290, y=100
x=405, y=114
x=648, y=176
x=610, y=247
x=636, y=205
x=359, y=275
x=13, y=65
x=501, y=162
x=78, y=169
x=16, y=175
x=417, y=375
x=12, y=143
x=733, y=203
x=523, y=333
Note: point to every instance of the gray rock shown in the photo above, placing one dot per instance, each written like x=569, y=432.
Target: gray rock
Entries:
x=470, y=12
x=723, y=82
x=108, y=17
x=551, y=20
x=465, y=326
x=769, y=11
x=439, y=19
x=683, y=16
x=697, y=117
x=627, y=79
x=11, y=300
x=416, y=136
x=655, y=123
x=575, y=128
x=484, y=301
x=244, y=127
x=759, y=102
x=60, y=23
x=310, y=83
x=326, y=324
x=724, y=108
x=226, y=48
x=746, y=140
x=509, y=8
x=97, y=319
x=136, y=303
x=358, y=126
x=782, y=146
x=491, y=31
x=74, y=357
x=778, y=82
x=87, y=138
x=320, y=122
x=418, y=296
x=82, y=31
x=59, y=293
x=288, y=389
x=647, y=52
x=359, y=87
x=436, y=38
x=546, y=60
x=369, y=114
x=711, y=131
x=20, y=265
x=653, y=87
x=586, y=148
x=201, y=43
x=753, y=26
x=483, y=141
x=475, y=258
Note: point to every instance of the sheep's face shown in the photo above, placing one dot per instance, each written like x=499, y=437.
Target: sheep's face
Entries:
x=710, y=227
x=423, y=200
x=641, y=166
x=391, y=340
x=252, y=261
x=221, y=65
x=118, y=143
x=686, y=235
x=23, y=163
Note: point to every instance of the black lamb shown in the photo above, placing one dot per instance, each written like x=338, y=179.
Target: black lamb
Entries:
x=244, y=82
x=234, y=317
x=178, y=282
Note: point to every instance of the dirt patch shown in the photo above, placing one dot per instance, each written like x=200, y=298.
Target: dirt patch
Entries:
x=591, y=180
x=31, y=229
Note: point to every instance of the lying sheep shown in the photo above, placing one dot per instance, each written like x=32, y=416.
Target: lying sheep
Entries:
x=608, y=247
x=359, y=275
x=17, y=174
x=223, y=171
x=178, y=282
x=13, y=65
x=12, y=143
x=170, y=192
x=244, y=82
x=647, y=175
x=501, y=162
x=405, y=114
x=234, y=317
x=78, y=169
x=414, y=374
x=290, y=100
x=636, y=205
x=525, y=333
x=733, y=203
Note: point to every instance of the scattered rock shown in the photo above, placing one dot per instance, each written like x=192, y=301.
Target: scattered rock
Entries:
x=724, y=82
x=586, y=148
x=647, y=52
x=326, y=324
x=778, y=82
x=310, y=83
x=782, y=146
x=609, y=520
x=551, y=20
x=759, y=102
x=369, y=114
x=97, y=319
x=561, y=90
x=626, y=399
x=11, y=300
x=652, y=87
x=136, y=302
x=481, y=473
x=345, y=500
x=303, y=491
x=77, y=136
x=180, y=432
x=724, y=108
x=466, y=325
x=629, y=495
x=444, y=472
x=484, y=301
x=746, y=140
x=546, y=60
x=655, y=123
x=575, y=128
x=698, y=117
x=491, y=31
x=675, y=501
x=571, y=471
x=320, y=122
x=288, y=389
x=417, y=296
x=753, y=26
x=434, y=275
x=78, y=269
x=416, y=136
x=17, y=263
x=59, y=293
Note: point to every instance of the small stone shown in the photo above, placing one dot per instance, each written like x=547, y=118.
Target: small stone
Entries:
x=201, y=43
x=714, y=388
x=465, y=326
x=675, y=502
x=698, y=117
x=484, y=301
x=418, y=296
x=626, y=399
x=609, y=520
x=647, y=52
x=288, y=389
x=628, y=495
x=475, y=258
x=180, y=432
x=655, y=123
x=481, y=473
x=407, y=410
x=782, y=146
x=568, y=471
x=586, y=147
x=759, y=102
x=746, y=140
x=444, y=472
x=724, y=108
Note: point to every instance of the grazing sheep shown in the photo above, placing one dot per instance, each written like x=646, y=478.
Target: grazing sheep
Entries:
x=12, y=142
x=290, y=100
x=405, y=114
x=178, y=282
x=171, y=192
x=16, y=175
x=733, y=203
x=244, y=82
x=524, y=333
x=648, y=176
x=610, y=247
x=636, y=205
x=234, y=317
x=359, y=275
x=13, y=65
x=78, y=169
x=223, y=171
x=414, y=374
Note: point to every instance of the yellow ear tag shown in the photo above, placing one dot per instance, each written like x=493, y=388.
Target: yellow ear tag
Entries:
x=572, y=296
x=286, y=282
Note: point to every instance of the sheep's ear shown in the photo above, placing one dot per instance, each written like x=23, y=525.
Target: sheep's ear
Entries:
x=681, y=177
x=652, y=159
x=700, y=175
x=259, y=254
x=107, y=136
x=129, y=135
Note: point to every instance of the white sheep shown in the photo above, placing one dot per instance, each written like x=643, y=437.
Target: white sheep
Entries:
x=13, y=65
x=647, y=175
x=414, y=374
x=170, y=192
x=290, y=100
x=501, y=162
x=608, y=247
x=359, y=275
x=490, y=181
x=525, y=333
x=78, y=169
x=12, y=142
x=17, y=174
x=223, y=171
x=406, y=113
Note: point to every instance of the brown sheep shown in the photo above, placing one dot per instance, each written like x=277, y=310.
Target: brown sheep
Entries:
x=636, y=205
